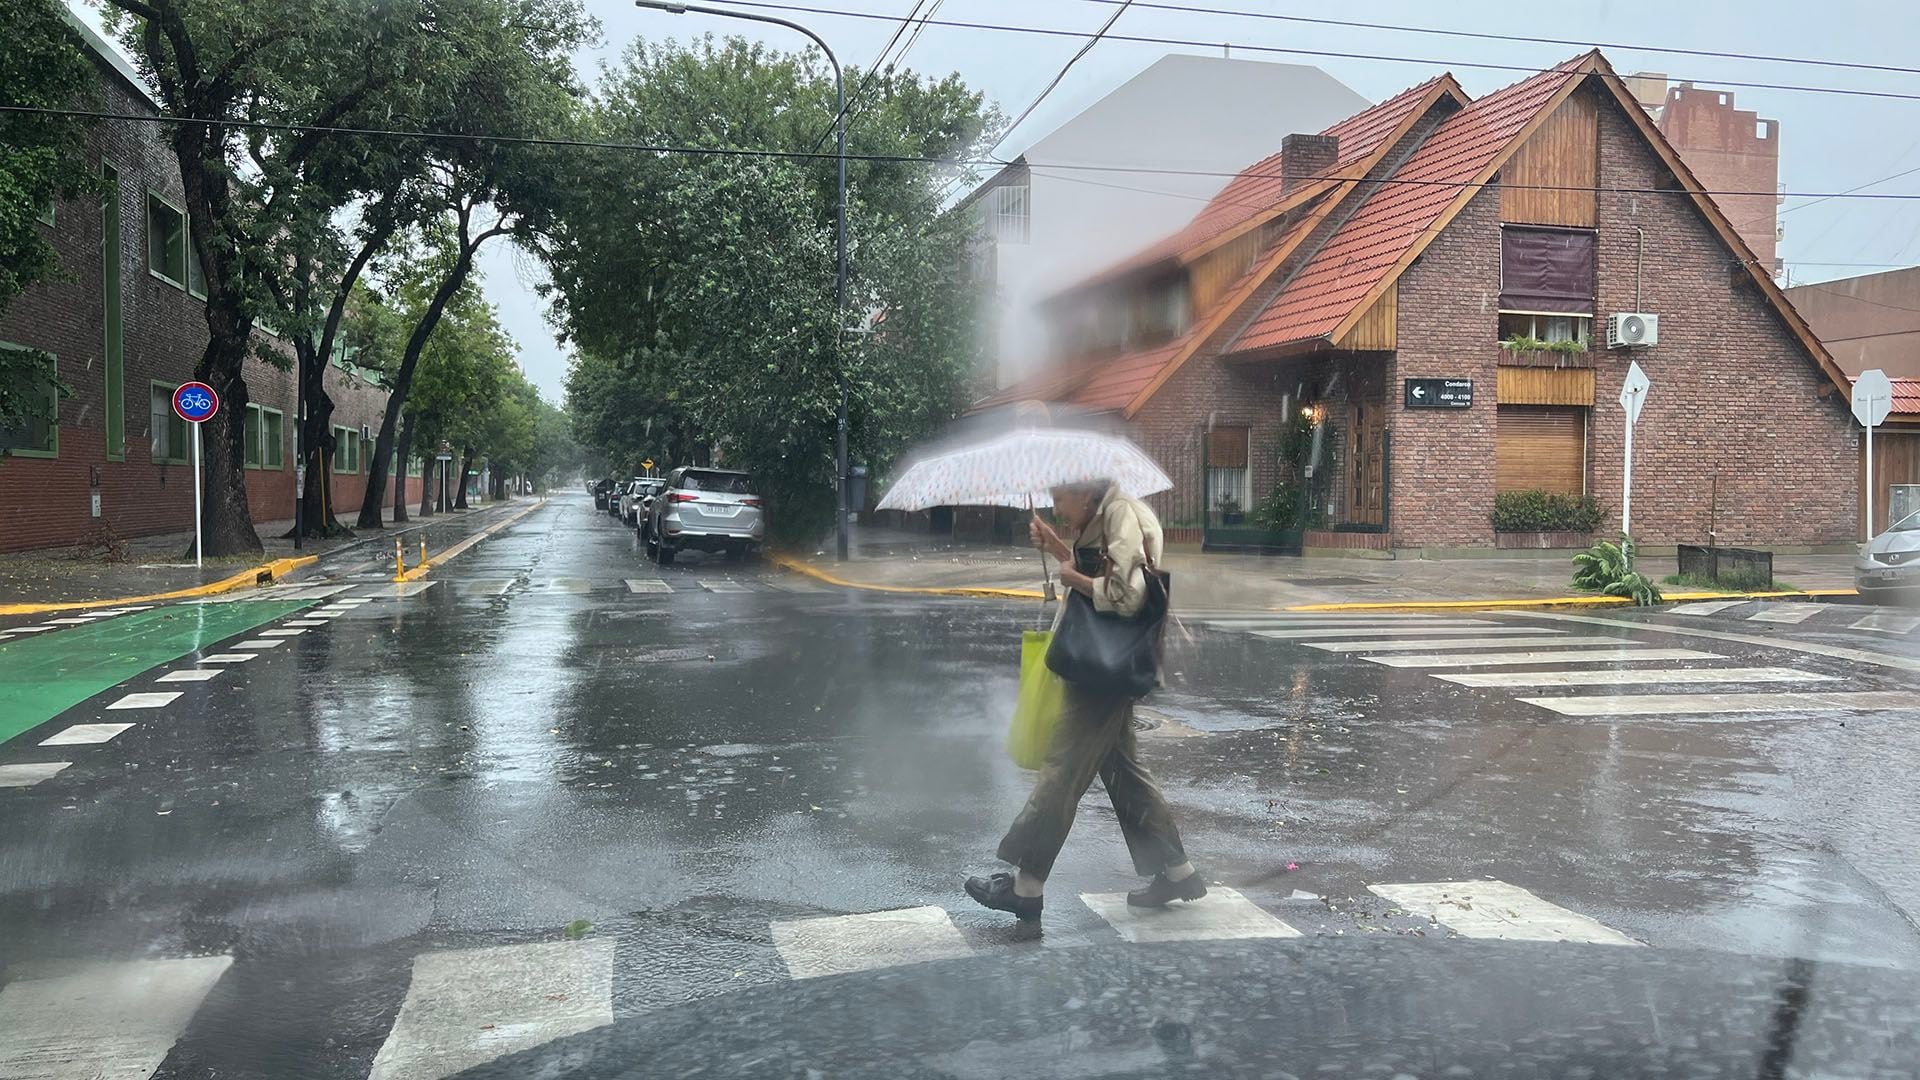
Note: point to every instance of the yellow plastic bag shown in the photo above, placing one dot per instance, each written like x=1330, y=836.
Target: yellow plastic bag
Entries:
x=1042, y=695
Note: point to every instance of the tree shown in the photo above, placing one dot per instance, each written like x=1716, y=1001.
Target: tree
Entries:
x=42, y=161
x=698, y=291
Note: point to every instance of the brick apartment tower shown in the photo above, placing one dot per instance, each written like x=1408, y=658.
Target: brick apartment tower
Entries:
x=1728, y=148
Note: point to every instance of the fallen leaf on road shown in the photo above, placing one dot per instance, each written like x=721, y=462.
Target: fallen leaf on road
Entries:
x=577, y=929
x=1293, y=866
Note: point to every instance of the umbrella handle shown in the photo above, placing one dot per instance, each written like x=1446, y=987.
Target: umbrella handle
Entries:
x=1046, y=576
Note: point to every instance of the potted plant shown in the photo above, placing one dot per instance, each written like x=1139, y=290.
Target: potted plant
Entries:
x=1231, y=512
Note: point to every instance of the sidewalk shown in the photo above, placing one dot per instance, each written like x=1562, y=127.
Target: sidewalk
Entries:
x=154, y=563
x=1215, y=581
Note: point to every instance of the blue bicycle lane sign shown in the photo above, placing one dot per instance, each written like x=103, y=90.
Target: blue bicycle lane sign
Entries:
x=196, y=402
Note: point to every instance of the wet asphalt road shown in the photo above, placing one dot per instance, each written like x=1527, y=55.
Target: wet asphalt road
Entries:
x=529, y=742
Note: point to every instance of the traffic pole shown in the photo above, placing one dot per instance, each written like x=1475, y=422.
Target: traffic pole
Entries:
x=399, y=561
x=196, y=497
x=1626, y=488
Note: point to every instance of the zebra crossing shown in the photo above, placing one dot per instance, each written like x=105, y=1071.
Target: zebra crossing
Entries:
x=1821, y=616
x=464, y=1007
x=1585, y=674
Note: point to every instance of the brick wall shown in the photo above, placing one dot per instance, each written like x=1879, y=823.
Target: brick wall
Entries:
x=46, y=502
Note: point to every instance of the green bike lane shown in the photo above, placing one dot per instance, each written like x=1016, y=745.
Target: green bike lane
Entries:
x=42, y=677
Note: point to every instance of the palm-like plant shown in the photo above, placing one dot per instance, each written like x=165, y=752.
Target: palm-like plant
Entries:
x=1607, y=568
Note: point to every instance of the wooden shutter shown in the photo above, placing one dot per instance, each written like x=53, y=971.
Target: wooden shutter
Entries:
x=1541, y=448
x=1227, y=448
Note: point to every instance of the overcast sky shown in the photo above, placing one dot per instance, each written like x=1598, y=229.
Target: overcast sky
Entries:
x=1828, y=142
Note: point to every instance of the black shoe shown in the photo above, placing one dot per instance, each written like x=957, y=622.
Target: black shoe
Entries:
x=996, y=892
x=1160, y=892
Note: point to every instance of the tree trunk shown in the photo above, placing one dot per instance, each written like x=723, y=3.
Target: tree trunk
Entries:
x=428, y=465
x=410, y=360
x=402, y=459
x=316, y=430
x=466, y=470
x=226, y=519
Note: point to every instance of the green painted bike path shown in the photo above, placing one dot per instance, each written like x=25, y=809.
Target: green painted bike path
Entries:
x=42, y=677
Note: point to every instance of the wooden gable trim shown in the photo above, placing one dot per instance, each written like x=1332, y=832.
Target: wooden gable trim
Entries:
x=1445, y=87
x=1718, y=220
x=1233, y=300
x=1575, y=77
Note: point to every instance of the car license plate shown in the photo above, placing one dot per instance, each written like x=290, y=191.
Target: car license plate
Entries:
x=720, y=510
x=1885, y=575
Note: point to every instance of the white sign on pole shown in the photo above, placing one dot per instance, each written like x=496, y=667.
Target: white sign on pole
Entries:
x=1872, y=400
x=1633, y=396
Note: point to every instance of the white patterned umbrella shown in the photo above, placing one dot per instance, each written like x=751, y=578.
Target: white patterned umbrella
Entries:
x=1017, y=469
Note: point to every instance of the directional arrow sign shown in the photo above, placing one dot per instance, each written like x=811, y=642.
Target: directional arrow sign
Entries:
x=1419, y=392
x=1633, y=393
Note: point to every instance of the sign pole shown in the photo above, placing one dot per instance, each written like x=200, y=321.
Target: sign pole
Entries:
x=1626, y=487
x=196, y=496
x=1869, y=536
x=1633, y=396
x=1872, y=400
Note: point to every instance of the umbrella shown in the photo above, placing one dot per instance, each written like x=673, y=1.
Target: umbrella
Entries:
x=1019, y=468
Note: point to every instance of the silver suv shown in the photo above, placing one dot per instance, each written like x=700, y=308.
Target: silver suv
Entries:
x=706, y=510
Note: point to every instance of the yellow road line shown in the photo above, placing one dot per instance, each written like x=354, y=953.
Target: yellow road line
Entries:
x=271, y=571
x=787, y=562
x=449, y=553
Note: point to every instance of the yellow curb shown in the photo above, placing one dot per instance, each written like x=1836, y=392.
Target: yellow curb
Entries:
x=449, y=553
x=787, y=562
x=271, y=571
x=1557, y=601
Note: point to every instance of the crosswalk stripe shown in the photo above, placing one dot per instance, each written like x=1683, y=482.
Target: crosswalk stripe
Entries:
x=306, y=622
x=29, y=629
x=260, y=643
x=648, y=585
x=1513, y=640
x=1706, y=607
x=838, y=944
x=1222, y=914
x=147, y=700
x=1496, y=909
x=1296, y=634
x=1246, y=618
x=567, y=585
x=723, y=585
x=1790, y=614
x=228, y=658
x=1887, y=624
x=29, y=773
x=1481, y=659
x=466, y=1007
x=108, y=1020
x=1633, y=676
x=484, y=586
x=189, y=675
x=277, y=632
x=85, y=735
x=1700, y=704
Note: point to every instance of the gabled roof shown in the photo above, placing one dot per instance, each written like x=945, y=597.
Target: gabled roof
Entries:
x=1358, y=263
x=1254, y=197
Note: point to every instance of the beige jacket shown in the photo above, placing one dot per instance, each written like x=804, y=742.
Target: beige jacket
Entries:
x=1130, y=533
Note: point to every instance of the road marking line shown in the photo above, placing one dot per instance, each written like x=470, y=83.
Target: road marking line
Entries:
x=26, y=774
x=485, y=586
x=31, y=629
x=570, y=585
x=466, y=1007
x=1329, y=633
x=152, y=699
x=1792, y=614
x=307, y=622
x=403, y=589
x=1634, y=676
x=1705, y=607
x=1701, y=704
x=105, y=1020
x=648, y=585
x=723, y=585
x=1220, y=915
x=69, y=622
x=85, y=735
x=796, y=584
x=1495, y=909
x=228, y=658
x=1520, y=640
x=189, y=675
x=1864, y=656
x=281, y=633
x=259, y=643
x=1887, y=624
x=352, y=601
x=838, y=944
x=1446, y=660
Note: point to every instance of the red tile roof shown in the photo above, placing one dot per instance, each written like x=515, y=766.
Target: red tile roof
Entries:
x=1358, y=257
x=1906, y=394
x=1256, y=190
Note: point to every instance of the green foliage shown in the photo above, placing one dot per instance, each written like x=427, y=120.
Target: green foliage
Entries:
x=1523, y=343
x=699, y=292
x=1545, y=511
x=1607, y=568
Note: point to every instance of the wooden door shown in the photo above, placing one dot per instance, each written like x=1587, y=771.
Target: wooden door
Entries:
x=1366, y=464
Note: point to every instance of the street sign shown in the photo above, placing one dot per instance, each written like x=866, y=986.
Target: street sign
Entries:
x=1872, y=400
x=195, y=402
x=1633, y=397
x=1439, y=393
x=647, y=464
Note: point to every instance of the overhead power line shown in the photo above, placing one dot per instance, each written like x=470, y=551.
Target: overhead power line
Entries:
x=756, y=152
x=1431, y=62
x=867, y=77
x=1481, y=35
x=1062, y=73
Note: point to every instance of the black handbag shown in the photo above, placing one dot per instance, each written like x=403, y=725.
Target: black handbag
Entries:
x=1107, y=652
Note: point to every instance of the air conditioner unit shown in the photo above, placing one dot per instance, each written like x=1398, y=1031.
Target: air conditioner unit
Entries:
x=1626, y=329
x=366, y=431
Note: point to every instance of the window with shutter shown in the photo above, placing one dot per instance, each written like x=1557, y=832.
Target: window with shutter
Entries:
x=1541, y=448
x=1546, y=271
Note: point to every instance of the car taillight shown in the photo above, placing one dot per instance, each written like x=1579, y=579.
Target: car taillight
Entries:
x=753, y=502
x=679, y=497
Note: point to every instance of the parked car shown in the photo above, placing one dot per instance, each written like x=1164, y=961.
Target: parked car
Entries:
x=602, y=491
x=615, y=501
x=1889, y=568
x=638, y=498
x=705, y=509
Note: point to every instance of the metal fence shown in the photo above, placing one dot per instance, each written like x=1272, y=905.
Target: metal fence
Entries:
x=1734, y=568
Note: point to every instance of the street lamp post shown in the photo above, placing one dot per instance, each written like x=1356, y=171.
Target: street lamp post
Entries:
x=839, y=235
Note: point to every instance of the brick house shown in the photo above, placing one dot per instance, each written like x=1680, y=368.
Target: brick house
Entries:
x=1267, y=352
x=123, y=322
